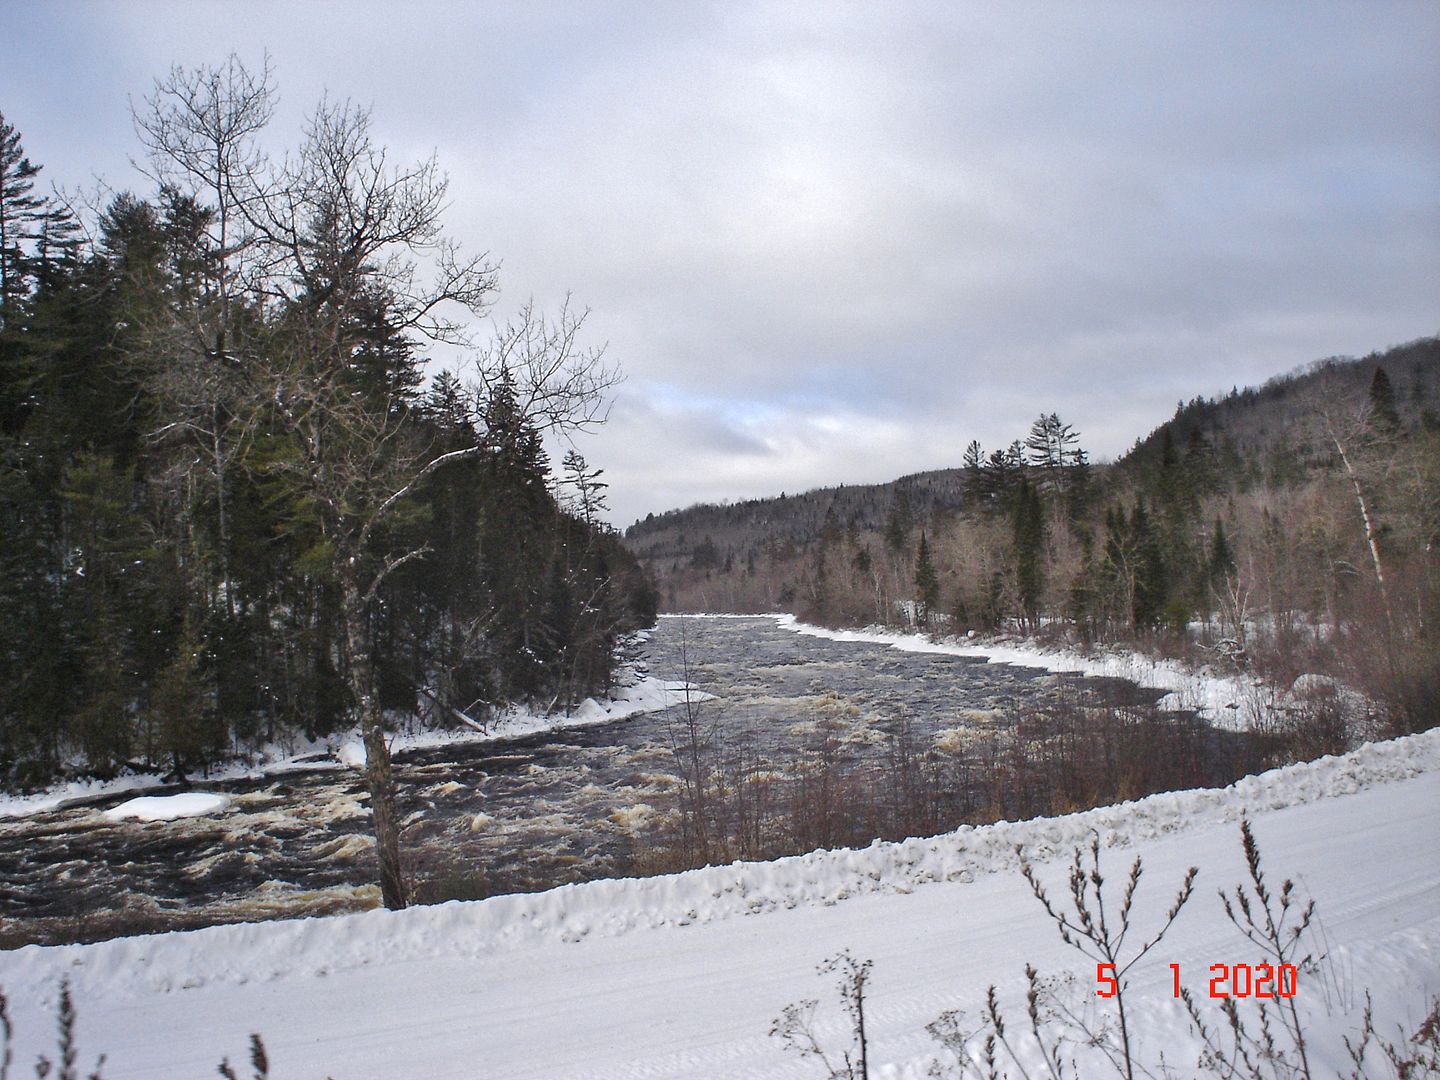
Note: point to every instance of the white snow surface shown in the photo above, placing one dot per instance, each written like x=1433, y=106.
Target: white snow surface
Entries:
x=646, y=694
x=170, y=807
x=1225, y=699
x=681, y=976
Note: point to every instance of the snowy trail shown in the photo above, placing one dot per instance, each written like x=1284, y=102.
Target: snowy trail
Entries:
x=671, y=978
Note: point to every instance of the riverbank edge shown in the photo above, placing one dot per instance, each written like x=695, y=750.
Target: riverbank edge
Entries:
x=1232, y=700
x=613, y=907
x=345, y=750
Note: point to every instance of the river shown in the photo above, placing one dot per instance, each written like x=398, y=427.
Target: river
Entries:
x=520, y=814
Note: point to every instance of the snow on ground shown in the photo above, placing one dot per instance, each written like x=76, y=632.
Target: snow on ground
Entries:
x=646, y=694
x=1223, y=699
x=680, y=976
x=170, y=807
x=71, y=792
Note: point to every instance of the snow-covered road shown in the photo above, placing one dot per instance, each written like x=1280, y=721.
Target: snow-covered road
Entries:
x=681, y=976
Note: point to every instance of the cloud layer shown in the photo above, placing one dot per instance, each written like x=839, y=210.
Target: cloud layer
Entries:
x=835, y=242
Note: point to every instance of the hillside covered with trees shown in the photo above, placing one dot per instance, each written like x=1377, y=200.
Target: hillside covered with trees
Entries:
x=1295, y=526
x=233, y=508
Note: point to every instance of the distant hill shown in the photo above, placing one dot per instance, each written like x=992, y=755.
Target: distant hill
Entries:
x=750, y=555
x=709, y=535
x=1271, y=427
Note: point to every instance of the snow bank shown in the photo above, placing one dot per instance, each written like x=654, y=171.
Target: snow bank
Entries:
x=1225, y=700
x=648, y=694
x=70, y=792
x=170, y=807
x=261, y=952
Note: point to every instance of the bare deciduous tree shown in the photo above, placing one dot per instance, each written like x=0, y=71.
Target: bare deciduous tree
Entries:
x=344, y=251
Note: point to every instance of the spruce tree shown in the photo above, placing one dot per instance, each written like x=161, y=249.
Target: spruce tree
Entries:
x=1152, y=575
x=899, y=521
x=517, y=512
x=1222, y=557
x=1028, y=530
x=1384, y=418
x=973, y=465
x=927, y=583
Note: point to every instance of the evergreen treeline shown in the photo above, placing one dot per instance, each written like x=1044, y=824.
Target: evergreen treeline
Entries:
x=231, y=511
x=1296, y=526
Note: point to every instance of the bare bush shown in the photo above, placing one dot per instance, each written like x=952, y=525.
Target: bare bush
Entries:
x=1101, y=935
x=795, y=1026
x=1272, y=1045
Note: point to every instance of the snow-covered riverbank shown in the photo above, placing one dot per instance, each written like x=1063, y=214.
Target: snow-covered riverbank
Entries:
x=1226, y=699
x=680, y=975
x=345, y=750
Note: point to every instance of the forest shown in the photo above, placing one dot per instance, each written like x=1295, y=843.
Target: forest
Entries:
x=235, y=509
x=1292, y=528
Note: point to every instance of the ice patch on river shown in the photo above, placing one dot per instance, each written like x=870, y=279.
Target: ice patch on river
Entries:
x=170, y=807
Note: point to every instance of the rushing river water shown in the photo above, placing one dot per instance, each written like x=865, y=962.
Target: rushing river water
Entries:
x=501, y=816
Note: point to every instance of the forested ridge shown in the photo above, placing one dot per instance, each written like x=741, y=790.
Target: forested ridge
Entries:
x=1294, y=526
x=233, y=507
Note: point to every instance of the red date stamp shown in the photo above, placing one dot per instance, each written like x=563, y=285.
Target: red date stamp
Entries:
x=1266, y=982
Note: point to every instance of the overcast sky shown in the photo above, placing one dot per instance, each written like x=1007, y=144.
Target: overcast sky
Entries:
x=834, y=242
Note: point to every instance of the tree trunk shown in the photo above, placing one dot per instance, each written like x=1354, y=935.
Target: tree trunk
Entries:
x=381, y=781
x=379, y=777
x=1371, y=535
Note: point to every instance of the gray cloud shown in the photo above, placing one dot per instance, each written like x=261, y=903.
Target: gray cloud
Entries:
x=834, y=242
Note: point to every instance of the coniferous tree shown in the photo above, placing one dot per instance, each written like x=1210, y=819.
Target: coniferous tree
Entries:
x=22, y=218
x=899, y=521
x=1050, y=449
x=219, y=481
x=1384, y=418
x=516, y=513
x=1028, y=529
x=1151, y=580
x=21, y=215
x=973, y=464
x=1222, y=557
x=1000, y=476
x=927, y=582
x=1081, y=490
x=588, y=488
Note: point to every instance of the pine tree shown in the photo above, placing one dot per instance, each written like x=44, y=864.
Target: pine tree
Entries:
x=22, y=216
x=1050, y=450
x=588, y=488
